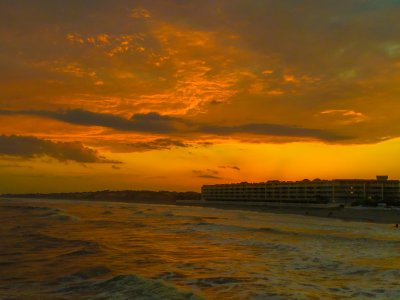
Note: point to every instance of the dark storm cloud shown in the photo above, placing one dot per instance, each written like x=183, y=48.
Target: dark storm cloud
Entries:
x=273, y=130
x=31, y=147
x=151, y=122
x=162, y=124
x=13, y=166
x=158, y=144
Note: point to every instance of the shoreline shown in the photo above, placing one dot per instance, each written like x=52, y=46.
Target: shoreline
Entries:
x=369, y=215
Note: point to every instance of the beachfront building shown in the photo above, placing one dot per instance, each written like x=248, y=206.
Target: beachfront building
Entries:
x=315, y=192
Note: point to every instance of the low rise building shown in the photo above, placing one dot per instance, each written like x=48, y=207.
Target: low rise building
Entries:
x=307, y=192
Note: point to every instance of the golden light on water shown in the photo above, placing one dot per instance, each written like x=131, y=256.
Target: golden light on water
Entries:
x=74, y=249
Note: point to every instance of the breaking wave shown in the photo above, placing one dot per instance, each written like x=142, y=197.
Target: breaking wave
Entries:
x=67, y=250
x=129, y=287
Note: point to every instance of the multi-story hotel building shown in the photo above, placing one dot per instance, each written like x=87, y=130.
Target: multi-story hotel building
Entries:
x=315, y=192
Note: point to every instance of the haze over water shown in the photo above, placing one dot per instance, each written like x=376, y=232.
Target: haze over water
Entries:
x=82, y=250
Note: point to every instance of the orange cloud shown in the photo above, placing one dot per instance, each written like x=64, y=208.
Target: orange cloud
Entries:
x=344, y=116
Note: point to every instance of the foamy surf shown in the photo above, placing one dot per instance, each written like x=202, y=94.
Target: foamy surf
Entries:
x=139, y=251
x=127, y=287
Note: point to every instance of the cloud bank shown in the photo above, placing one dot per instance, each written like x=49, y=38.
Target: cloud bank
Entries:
x=31, y=147
x=164, y=124
x=157, y=144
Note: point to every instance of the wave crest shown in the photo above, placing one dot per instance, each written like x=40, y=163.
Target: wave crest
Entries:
x=130, y=287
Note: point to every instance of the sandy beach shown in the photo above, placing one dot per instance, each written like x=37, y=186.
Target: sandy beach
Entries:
x=373, y=215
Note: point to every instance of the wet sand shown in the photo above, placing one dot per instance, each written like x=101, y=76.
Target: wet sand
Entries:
x=373, y=215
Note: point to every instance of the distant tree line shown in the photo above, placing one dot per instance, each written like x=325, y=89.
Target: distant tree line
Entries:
x=123, y=196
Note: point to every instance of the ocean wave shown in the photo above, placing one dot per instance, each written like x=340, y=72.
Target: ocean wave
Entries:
x=270, y=246
x=169, y=275
x=224, y=256
x=43, y=212
x=85, y=274
x=207, y=226
x=128, y=287
x=38, y=242
x=105, y=223
x=30, y=207
x=61, y=216
x=300, y=233
x=214, y=281
x=81, y=252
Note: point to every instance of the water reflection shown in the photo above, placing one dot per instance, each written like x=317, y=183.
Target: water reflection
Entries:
x=81, y=250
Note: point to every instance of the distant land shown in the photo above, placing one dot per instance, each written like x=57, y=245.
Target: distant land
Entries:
x=359, y=214
x=158, y=197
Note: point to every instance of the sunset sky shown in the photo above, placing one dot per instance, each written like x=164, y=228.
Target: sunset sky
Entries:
x=170, y=95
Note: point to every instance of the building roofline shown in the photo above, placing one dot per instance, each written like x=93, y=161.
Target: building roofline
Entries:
x=317, y=180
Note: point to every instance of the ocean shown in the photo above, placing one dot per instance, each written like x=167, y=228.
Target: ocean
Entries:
x=54, y=249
